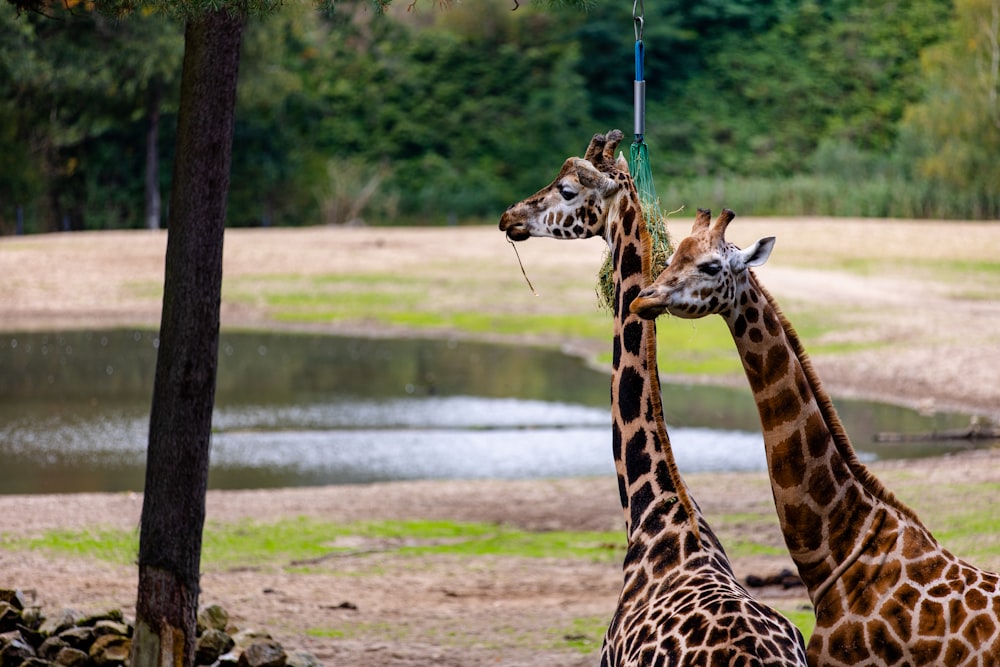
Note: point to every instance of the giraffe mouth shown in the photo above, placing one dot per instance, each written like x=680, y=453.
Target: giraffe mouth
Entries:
x=515, y=231
x=648, y=308
x=518, y=234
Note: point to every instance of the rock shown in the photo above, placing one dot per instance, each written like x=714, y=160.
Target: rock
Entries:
x=302, y=659
x=245, y=638
x=230, y=659
x=211, y=644
x=50, y=648
x=61, y=622
x=36, y=662
x=785, y=578
x=213, y=617
x=14, y=598
x=110, y=615
x=32, y=617
x=15, y=650
x=110, y=651
x=33, y=637
x=263, y=653
x=71, y=657
x=71, y=639
x=10, y=617
x=78, y=637
x=109, y=627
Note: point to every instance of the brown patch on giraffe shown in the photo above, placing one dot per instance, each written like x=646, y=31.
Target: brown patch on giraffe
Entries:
x=788, y=465
x=926, y=651
x=975, y=600
x=632, y=337
x=772, y=322
x=930, y=619
x=899, y=618
x=666, y=549
x=808, y=528
x=778, y=409
x=890, y=652
x=956, y=652
x=847, y=641
x=814, y=432
x=957, y=613
x=821, y=487
x=859, y=584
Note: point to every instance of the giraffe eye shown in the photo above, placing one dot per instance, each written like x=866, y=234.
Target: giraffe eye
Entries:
x=566, y=192
x=710, y=268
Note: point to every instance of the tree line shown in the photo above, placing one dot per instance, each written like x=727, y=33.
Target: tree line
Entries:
x=446, y=115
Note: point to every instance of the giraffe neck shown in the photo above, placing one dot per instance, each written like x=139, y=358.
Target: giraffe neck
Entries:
x=648, y=479
x=829, y=505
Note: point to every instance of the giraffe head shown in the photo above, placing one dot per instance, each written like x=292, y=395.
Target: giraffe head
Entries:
x=704, y=272
x=575, y=204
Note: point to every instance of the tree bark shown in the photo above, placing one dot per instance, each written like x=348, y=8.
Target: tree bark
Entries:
x=153, y=101
x=173, y=511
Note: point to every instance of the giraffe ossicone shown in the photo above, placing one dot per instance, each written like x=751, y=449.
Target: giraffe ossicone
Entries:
x=680, y=602
x=884, y=591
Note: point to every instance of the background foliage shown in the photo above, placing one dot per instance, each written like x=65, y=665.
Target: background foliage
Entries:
x=792, y=107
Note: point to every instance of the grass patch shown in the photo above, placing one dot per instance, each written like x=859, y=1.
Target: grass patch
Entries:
x=250, y=543
x=583, y=635
x=962, y=516
x=115, y=546
x=803, y=618
x=383, y=631
x=696, y=347
x=413, y=304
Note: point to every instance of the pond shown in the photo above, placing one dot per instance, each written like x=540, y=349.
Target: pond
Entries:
x=298, y=410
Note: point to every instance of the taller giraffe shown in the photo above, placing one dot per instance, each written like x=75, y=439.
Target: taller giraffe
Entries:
x=680, y=603
x=884, y=591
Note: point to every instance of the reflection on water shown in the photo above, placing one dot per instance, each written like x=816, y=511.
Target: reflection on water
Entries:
x=303, y=410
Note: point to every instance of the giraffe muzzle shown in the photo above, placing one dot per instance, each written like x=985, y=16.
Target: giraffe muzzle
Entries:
x=647, y=306
x=515, y=230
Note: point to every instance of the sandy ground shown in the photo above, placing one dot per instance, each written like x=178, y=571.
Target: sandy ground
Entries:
x=920, y=308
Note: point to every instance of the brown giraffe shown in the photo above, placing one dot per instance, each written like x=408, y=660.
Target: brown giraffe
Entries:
x=884, y=591
x=680, y=603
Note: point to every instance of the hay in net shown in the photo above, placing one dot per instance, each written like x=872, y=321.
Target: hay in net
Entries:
x=660, y=246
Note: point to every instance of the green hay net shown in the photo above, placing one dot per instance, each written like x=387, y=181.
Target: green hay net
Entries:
x=662, y=248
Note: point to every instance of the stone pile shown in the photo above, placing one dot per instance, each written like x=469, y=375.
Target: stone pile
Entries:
x=28, y=638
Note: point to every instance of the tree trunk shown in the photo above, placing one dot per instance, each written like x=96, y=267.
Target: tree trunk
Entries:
x=155, y=97
x=173, y=511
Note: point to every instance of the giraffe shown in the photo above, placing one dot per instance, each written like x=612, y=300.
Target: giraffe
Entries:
x=680, y=603
x=884, y=591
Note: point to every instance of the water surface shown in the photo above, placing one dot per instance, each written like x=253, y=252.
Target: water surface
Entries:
x=295, y=410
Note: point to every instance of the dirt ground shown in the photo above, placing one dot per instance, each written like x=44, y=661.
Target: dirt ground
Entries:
x=923, y=308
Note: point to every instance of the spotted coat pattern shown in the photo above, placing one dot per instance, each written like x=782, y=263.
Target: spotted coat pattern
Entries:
x=884, y=590
x=680, y=603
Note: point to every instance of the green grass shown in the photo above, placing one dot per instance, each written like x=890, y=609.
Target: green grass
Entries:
x=279, y=543
x=410, y=304
x=803, y=618
x=696, y=347
x=116, y=546
x=583, y=635
x=961, y=515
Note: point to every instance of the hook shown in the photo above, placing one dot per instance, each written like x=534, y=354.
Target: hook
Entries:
x=638, y=14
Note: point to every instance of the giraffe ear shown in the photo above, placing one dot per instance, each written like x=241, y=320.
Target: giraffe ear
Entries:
x=755, y=255
x=593, y=178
